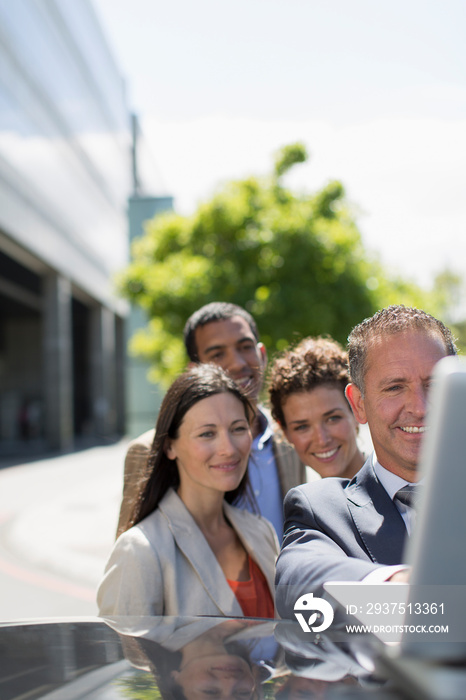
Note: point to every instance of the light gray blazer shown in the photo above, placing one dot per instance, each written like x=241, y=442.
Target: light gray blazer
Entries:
x=164, y=565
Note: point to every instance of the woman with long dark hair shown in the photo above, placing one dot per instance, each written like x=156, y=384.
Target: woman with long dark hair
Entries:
x=190, y=551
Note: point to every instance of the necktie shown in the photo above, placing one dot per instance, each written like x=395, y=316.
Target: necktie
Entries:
x=409, y=495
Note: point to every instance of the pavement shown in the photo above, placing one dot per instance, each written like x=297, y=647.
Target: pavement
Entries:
x=59, y=514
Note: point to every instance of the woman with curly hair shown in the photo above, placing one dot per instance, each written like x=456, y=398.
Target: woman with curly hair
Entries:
x=307, y=395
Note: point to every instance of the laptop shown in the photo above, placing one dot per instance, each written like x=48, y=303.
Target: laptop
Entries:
x=428, y=657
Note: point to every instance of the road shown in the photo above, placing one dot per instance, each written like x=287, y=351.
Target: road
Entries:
x=58, y=519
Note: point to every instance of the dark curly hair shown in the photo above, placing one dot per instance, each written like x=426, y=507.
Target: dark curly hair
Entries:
x=311, y=363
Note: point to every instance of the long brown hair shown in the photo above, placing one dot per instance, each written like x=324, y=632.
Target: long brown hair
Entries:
x=192, y=386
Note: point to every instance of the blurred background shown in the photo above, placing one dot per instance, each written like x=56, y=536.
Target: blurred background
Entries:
x=113, y=111
x=304, y=159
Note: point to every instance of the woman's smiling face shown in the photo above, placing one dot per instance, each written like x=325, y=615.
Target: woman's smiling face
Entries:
x=322, y=428
x=213, y=444
x=209, y=670
x=219, y=676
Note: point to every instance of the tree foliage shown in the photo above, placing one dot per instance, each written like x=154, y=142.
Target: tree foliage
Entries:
x=449, y=292
x=295, y=262
x=289, y=156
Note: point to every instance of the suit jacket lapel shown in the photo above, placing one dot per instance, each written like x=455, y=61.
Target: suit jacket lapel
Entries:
x=195, y=548
x=376, y=517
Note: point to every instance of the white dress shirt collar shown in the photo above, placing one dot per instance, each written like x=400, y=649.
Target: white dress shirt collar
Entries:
x=393, y=483
x=390, y=481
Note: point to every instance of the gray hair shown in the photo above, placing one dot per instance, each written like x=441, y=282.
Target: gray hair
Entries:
x=389, y=321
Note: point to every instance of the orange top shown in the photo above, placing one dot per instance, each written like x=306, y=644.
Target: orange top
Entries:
x=254, y=595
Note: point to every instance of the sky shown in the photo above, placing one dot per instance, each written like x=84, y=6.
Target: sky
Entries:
x=376, y=90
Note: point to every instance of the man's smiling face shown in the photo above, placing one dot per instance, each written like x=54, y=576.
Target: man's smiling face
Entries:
x=231, y=344
x=396, y=382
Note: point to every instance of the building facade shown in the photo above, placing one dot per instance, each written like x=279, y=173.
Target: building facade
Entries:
x=65, y=179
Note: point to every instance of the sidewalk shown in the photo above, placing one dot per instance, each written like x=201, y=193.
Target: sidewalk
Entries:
x=60, y=514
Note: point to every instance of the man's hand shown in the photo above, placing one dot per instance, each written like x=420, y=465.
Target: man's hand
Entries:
x=400, y=576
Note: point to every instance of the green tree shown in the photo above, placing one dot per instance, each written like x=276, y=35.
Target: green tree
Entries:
x=449, y=292
x=296, y=262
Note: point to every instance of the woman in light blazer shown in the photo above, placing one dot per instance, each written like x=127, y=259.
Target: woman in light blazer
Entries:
x=190, y=551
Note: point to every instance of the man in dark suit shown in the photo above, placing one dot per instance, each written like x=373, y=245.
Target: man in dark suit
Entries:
x=342, y=530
